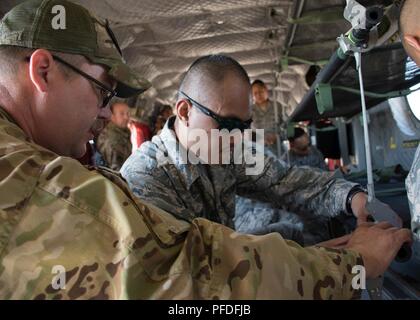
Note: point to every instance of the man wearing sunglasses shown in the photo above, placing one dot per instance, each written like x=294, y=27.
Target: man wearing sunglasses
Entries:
x=302, y=153
x=214, y=95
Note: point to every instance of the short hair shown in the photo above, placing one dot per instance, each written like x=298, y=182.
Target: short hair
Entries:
x=10, y=56
x=215, y=67
x=115, y=103
x=259, y=82
x=298, y=132
x=165, y=107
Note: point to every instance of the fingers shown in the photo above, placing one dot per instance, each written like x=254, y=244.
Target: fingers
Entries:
x=342, y=240
x=366, y=224
x=335, y=243
x=400, y=235
x=393, y=229
x=403, y=235
x=361, y=220
x=383, y=225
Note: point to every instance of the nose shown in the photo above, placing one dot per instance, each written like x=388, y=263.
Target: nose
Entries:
x=105, y=113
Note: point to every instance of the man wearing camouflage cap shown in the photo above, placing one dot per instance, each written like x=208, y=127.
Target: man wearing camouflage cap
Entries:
x=67, y=232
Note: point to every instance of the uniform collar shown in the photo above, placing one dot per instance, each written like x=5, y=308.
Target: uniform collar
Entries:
x=174, y=150
x=18, y=133
x=6, y=116
x=113, y=127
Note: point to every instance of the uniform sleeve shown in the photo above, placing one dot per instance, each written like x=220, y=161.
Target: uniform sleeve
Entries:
x=112, y=153
x=299, y=189
x=268, y=267
x=81, y=234
x=147, y=180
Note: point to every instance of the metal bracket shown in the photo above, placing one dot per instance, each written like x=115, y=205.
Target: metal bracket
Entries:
x=324, y=98
x=363, y=20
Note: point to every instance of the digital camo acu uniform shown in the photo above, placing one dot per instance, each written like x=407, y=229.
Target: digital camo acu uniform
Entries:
x=190, y=190
x=54, y=212
x=258, y=217
x=114, y=145
x=314, y=159
x=413, y=193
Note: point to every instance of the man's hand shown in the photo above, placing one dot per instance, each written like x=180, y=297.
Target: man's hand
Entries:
x=337, y=243
x=358, y=205
x=378, y=245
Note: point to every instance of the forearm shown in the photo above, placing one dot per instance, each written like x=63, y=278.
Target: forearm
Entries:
x=267, y=267
x=310, y=190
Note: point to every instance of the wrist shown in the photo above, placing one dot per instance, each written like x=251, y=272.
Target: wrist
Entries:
x=355, y=190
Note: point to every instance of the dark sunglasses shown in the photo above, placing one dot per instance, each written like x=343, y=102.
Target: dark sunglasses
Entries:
x=106, y=93
x=224, y=123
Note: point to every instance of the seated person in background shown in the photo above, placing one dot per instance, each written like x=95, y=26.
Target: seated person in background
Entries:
x=302, y=153
x=114, y=141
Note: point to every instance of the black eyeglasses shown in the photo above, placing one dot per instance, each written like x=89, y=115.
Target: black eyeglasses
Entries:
x=106, y=93
x=224, y=123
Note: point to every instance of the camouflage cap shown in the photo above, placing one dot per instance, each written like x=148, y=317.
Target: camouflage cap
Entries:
x=64, y=26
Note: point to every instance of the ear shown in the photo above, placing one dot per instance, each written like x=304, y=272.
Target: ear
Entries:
x=40, y=67
x=413, y=42
x=182, y=109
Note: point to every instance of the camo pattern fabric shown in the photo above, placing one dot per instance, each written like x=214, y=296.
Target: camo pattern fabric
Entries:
x=107, y=245
x=155, y=173
x=258, y=217
x=114, y=145
x=314, y=159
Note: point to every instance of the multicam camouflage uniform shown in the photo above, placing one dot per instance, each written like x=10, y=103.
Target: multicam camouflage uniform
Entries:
x=54, y=212
x=114, y=145
x=413, y=193
x=195, y=190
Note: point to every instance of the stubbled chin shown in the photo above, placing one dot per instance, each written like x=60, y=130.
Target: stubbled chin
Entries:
x=80, y=150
